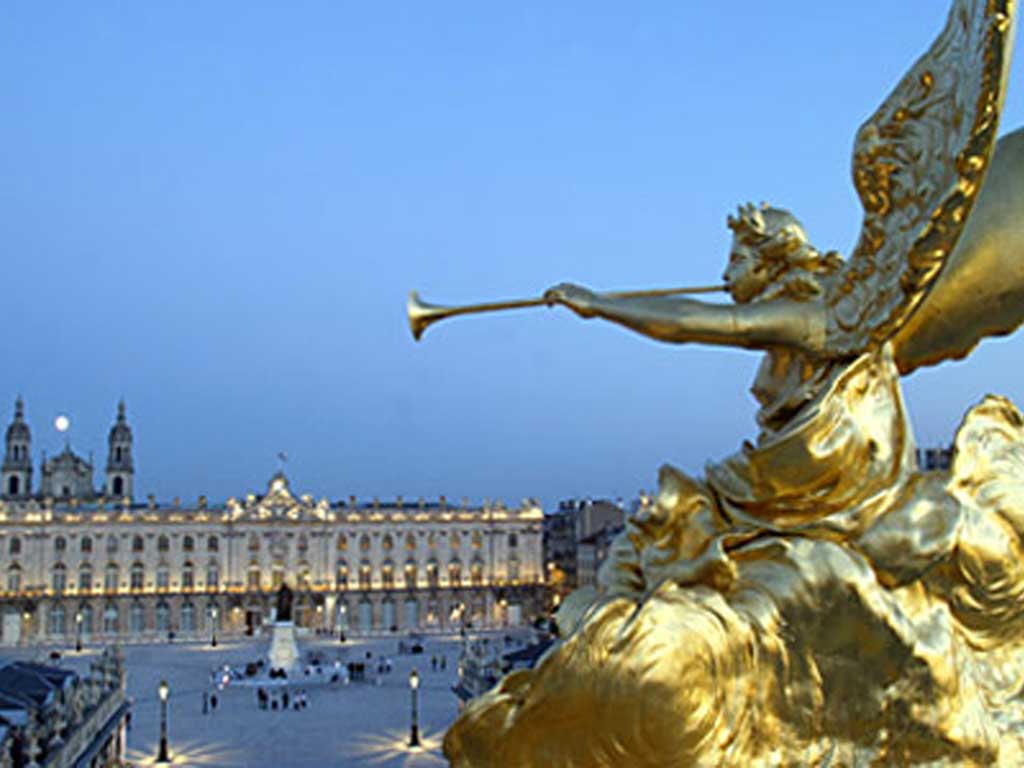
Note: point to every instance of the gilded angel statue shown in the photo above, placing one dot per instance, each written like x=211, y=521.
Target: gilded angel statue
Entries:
x=816, y=599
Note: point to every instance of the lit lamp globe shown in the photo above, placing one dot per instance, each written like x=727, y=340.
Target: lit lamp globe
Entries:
x=62, y=423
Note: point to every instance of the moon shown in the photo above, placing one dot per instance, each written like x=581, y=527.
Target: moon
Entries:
x=62, y=423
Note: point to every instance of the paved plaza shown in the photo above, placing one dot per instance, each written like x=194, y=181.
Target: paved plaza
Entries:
x=356, y=724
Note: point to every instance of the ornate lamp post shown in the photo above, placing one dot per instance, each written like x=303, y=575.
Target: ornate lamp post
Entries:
x=414, y=728
x=164, y=690
x=213, y=626
x=78, y=631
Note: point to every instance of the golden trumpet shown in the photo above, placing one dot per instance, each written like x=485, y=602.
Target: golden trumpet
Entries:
x=422, y=315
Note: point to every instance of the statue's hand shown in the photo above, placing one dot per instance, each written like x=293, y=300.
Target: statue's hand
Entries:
x=577, y=298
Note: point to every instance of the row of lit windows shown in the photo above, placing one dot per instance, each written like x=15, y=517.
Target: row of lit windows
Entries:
x=188, y=543
x=86, y=621
x=112, y=577
x=254, y=576
x=163, y=544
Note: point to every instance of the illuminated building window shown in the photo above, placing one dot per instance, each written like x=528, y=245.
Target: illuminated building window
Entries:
x=85, y=579
x=138, y=576
x=58, y=579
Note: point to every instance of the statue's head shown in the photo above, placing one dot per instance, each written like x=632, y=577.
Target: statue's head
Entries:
x=771, y=256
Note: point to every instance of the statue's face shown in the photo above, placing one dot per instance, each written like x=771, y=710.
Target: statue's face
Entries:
x=745, y=276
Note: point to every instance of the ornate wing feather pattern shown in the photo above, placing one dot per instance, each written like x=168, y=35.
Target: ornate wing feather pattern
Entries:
x=918, y=164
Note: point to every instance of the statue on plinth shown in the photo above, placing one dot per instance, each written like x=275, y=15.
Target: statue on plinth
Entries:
x=284, y=603
x=816, y=598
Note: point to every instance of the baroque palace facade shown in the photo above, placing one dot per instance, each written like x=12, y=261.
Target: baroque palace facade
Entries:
x=77, y=565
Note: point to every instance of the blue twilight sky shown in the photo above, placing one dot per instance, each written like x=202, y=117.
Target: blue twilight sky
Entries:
x=217, y=210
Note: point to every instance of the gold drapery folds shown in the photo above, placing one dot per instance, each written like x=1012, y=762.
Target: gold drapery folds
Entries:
x=890, y=635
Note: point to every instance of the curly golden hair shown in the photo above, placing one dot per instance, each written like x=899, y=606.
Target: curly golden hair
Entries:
x=794, y=265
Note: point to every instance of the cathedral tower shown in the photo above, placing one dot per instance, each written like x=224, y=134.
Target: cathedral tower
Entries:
x=17, y=467
x=120, y=469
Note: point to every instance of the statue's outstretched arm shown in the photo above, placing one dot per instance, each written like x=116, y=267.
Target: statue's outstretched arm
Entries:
x=756, y=325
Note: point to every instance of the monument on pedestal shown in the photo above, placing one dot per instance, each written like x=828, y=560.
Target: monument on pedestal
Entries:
x=816, y=598
x=284, y=650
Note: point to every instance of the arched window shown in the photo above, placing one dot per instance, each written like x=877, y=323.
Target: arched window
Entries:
x=60, y=544
x=432, y=573
x=254, y=542
x=478, y=540
x=387, y=575
x=117, y=453
x=432, y=540
x=513, y=540
x=110, y=578
x=364, y=543
x=15, y=546
x=163, y=544
x=138, y=576
x=110, y=623
x=138, y=544
x=388, y=543
x=163, y=617
x=365, y=575
x=188, y=617
x=212, y=544
x=410, y=542
x=341, y=575
x=111, y=543
x=138, y=619
x=342, y=543
x=276, y=574
x=513, y=569
x=59, y=579
x=87, y=620
x=455, y=573
x=118, y=484
x=87, y=544
x=212, y=576
x=14, y=579
x=303, y=544
x=188, y=544
x=305, y=580
x=410, y=574
x=455, y=540
x=254, y=579
x=476, y=573
x=188, y=577
x=163, y=577
x=85, y=579
x=56, y=620
x=13, y=485
x=388, y=619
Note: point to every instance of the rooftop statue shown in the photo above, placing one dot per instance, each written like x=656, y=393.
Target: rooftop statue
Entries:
x=816, y=598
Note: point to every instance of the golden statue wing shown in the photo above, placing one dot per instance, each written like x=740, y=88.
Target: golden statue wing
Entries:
x=918, y=165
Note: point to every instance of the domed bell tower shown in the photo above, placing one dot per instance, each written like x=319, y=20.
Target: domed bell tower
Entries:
x=120, y=468
x=16, y=473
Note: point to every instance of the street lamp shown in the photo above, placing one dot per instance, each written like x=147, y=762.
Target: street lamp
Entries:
x=78, y=631
x=414, y=729
x=213, y=627
x=164, y=690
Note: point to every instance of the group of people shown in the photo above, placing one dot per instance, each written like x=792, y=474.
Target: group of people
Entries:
x=274, y=700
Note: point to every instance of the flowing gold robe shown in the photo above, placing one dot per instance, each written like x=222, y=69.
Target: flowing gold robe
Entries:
x=816, y=600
